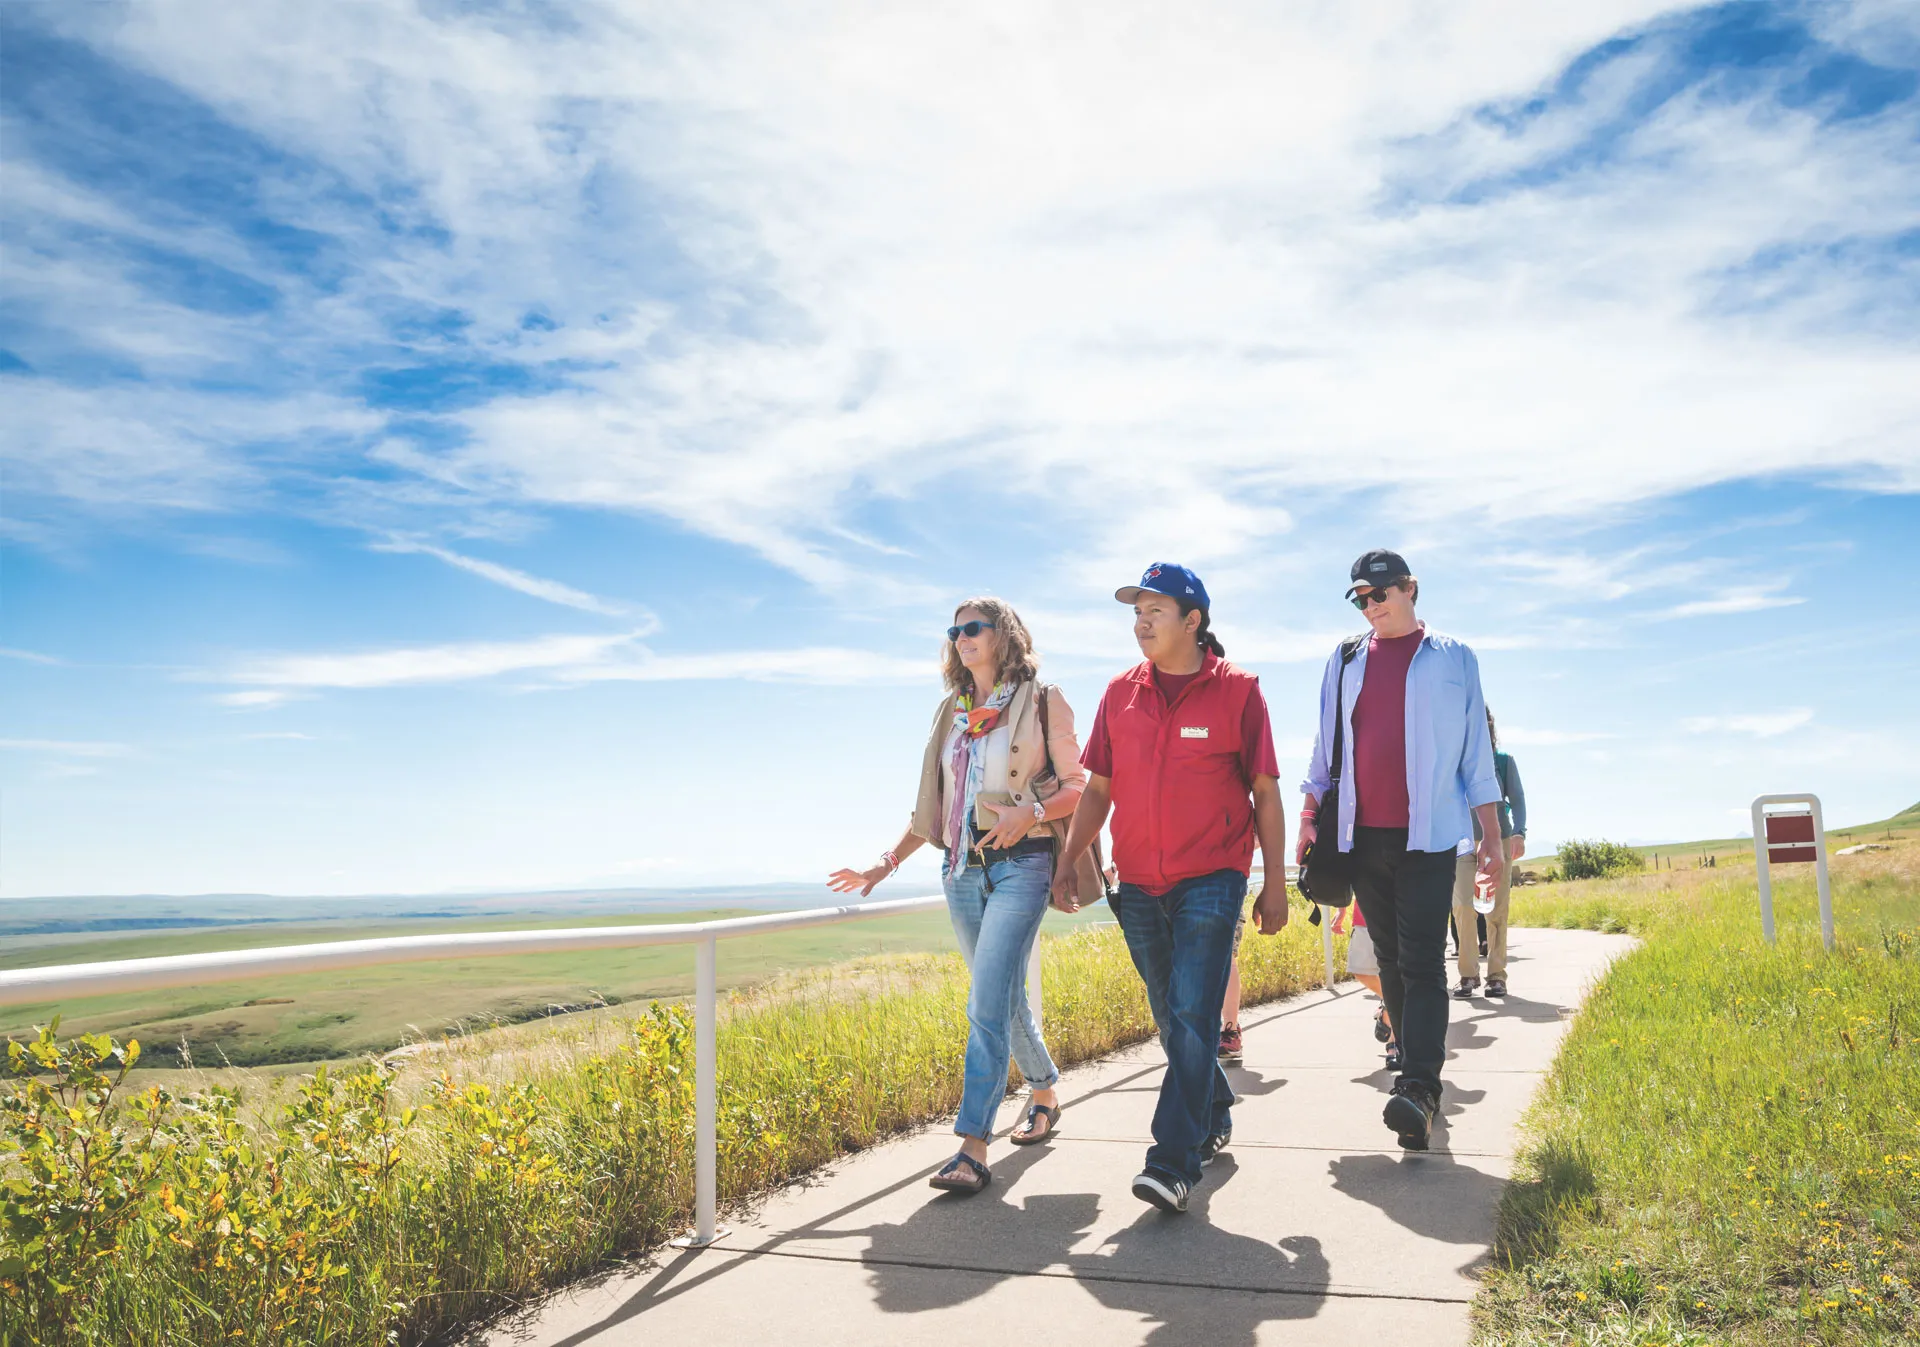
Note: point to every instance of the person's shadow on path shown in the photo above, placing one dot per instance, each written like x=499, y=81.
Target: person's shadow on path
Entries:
x=1249, y=1084
x=1431, y=1194
x=1226, y=1281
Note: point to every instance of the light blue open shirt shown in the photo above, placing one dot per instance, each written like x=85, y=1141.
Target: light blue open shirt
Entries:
x=1449, y=752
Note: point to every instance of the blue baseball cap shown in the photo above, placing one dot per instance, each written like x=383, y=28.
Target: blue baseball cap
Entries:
x=1165, y=577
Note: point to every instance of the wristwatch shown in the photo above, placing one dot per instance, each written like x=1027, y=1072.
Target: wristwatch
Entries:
x=1039, y=812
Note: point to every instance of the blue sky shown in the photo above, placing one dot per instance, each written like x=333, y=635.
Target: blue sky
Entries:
x=472, y=446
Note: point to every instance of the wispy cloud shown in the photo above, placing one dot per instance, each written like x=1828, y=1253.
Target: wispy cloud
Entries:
x=272, y=677
x=1737, y=601
x=1767, y=725
x=817, y=664
x=281, y=734
x=30, y=656
x=1521, y=737
x=68, y=748
x=532, y=585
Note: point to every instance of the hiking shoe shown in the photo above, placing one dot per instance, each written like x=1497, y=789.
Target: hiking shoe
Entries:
x=1395, y=1057
x=1229, y=1042
x=1496, y=986
x=1210, y=1148
x=1464, y=992
x=1410, y=1113
x=1382, y=1032
x=1161, y=1189
x=1483, y=949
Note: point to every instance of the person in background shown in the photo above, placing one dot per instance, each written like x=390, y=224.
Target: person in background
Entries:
x=1231, y=1046
x=1182, y=755
x=1417, y=766
x=1364, y=964
x=997, y=776
x=1513, y=834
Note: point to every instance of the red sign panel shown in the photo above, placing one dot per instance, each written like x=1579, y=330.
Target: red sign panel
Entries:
x=1789, y=828
x=1779, y=855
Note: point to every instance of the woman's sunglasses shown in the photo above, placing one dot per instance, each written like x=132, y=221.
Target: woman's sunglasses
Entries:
x=968, y=629
x=1361, y=601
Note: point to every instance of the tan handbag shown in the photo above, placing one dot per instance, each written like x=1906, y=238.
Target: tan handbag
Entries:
x=1090, y=871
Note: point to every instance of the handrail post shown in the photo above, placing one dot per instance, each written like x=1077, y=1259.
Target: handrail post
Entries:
x=706, y=1111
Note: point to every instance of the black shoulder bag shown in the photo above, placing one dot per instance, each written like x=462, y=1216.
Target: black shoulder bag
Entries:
x=1326, y=872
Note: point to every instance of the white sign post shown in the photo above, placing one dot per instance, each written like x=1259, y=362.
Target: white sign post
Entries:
x=1792, y=836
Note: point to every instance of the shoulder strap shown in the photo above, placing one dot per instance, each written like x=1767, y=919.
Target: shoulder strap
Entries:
x=1348, y=649
x=1046, y=736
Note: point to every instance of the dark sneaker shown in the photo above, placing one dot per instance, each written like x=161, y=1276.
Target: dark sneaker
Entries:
x=1464, y=992
x=1410, y=1113
x=1229, y=1042
x=1496, y=986
x=1161, y=1189
x=1382, y=1032
x=1483, y=949
x=1210, y=1148
x=1394, y=1057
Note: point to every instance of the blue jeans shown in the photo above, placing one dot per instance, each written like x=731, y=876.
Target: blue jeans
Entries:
x=996, y=933
x=1182, y=944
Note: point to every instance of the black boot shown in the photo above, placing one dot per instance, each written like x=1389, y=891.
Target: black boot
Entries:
x=1410, y=1113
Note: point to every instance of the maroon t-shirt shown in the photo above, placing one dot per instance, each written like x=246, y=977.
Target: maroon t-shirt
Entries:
x=1380, y=733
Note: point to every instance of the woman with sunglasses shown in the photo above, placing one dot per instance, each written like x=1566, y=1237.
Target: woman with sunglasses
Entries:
x=1000, y=767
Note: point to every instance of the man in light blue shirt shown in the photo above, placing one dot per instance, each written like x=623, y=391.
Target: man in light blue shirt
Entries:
x=1403, y=750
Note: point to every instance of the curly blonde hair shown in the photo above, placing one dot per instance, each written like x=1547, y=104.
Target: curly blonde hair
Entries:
x=1017, y=660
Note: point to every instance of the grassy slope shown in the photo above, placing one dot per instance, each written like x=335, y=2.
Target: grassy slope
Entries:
x=328, y=1016
x=1728, y=1147
x=1739, y=850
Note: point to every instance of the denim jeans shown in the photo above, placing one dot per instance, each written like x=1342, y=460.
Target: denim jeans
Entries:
x=1182, y=945
x=1407, y=897
x=996, y=933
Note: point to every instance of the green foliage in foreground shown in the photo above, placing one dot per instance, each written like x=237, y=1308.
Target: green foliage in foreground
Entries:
x=370, y=1207
x=1598, y=860
x=1728, y=1147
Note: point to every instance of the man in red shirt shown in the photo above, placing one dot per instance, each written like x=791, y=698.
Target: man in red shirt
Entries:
x=1181, y=753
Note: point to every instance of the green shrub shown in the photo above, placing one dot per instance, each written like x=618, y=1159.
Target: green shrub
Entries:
x=1597, y=860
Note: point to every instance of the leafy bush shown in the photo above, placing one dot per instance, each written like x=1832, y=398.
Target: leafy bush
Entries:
x=1597, y=860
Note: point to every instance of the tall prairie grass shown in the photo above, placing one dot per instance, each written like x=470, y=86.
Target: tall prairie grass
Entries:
x=1727, y=1149
x=393, y=1203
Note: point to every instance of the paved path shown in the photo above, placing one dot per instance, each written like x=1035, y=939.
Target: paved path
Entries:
x=1313, y=1228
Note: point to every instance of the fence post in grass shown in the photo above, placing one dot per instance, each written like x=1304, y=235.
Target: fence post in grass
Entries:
x=706, y=1111
x=1789, y=838
x=1326, y=940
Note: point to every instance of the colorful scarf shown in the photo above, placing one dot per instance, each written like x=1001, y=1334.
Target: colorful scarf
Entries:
x=969, y=768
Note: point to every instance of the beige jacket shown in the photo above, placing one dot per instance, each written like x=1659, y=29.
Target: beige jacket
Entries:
x=1028, y=777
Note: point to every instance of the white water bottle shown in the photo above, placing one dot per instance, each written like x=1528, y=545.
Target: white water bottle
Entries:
x=1483, y=893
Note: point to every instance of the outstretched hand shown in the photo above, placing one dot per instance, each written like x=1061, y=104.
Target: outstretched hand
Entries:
x=846, y=881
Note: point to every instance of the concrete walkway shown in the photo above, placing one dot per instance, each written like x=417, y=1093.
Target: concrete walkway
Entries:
x=1313, y=1228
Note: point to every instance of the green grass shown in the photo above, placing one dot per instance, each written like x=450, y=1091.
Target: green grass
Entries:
x=393, y=1205
x=339, y=1015
x=1727, y=1149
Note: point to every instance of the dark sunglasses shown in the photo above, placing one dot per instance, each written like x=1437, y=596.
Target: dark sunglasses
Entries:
x=1377, y=595
x=968, y=629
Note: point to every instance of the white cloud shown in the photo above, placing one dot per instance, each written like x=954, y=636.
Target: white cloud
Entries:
x=275, y=676
x=69, y=748
x=550, y=590
x=1767, y=725
x=1520, y=737
x=1737, y=601
x=1059, y=252
x=821, y=664
x=281, y=734
x=30, y=656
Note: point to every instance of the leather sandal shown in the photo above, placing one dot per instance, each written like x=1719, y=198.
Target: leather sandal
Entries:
x=953, y=1177
x=1026, y=1136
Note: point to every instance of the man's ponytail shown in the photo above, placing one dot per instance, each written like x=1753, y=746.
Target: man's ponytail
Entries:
x=1204, y=633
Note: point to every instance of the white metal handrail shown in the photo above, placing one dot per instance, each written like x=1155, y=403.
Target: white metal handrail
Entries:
x=66, y=981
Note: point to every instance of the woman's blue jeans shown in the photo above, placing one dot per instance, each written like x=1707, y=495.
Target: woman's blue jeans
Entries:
x=996, y=933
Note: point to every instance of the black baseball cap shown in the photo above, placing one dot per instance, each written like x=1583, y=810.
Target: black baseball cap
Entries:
x=1378, y=568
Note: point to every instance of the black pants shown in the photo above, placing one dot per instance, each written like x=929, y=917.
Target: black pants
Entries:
x=1407, y=897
